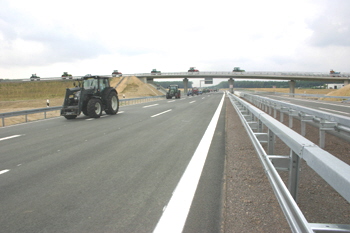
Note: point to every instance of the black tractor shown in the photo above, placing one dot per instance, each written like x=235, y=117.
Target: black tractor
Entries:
x=91, y=95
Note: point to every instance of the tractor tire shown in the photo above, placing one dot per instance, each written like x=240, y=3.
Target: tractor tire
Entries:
x=94, y=108
x=112, y=105
x=85, y=112
x=69, y=117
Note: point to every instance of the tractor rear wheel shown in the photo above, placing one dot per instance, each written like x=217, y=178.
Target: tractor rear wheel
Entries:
x=112, y=103
x=94, y=108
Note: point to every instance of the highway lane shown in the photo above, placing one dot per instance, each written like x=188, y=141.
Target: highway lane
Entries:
x=113, y=174
x=326, y=106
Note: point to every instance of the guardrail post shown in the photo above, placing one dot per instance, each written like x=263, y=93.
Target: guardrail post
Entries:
x=324, y=126
x=303, y=119
x=271, y=143
x=26, y=117
x=293, y=180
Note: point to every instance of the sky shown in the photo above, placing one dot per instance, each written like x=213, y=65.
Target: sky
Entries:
x=136, y=36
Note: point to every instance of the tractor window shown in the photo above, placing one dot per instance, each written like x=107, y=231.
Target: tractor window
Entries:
x=90, y=83
x=103, y=84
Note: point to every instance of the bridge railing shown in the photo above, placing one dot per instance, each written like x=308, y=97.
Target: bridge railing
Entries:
x=326, y=122
x=334, y=171
x=25, y=113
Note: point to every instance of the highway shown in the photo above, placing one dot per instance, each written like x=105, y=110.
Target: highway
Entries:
x=116, y=173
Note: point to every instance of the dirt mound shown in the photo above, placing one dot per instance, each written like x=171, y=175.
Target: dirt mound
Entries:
x=132, y=87
x=344, y=91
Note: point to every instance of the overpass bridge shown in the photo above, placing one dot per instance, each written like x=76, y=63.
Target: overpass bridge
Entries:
x=231, y=76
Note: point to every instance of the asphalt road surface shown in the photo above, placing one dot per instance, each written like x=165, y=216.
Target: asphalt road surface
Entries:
x=114, y=174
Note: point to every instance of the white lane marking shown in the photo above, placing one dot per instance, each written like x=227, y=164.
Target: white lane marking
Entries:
x=120, y=112
x=150, y=105
x=9, y=137
x=4, y=171
x=171, y=101
x=192, y=102
x=203, y=98
x=161, y=113
x=327, y=109
x=174, y=217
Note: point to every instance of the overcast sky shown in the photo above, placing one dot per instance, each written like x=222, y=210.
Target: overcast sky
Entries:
x=136, y=36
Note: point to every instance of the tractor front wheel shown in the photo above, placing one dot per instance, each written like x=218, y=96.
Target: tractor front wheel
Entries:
x=112, y=103
x=94, y=108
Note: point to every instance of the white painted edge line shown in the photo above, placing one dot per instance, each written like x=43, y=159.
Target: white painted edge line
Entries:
x=4, y=171
x=174, y=217
x=161, y=113
x=9, y=137
x=192, y=102
x=150, y=105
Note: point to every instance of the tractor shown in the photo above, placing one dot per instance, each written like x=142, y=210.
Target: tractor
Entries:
x=66, y=75
x=173, y=91
x=116, y=73
x=34, y=77
x=193, y=69
x=237, y=69
x=155, y=72
x=92, y=95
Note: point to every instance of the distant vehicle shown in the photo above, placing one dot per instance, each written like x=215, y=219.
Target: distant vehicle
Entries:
x=92, y=95
x=173, y=92
x=193, y=69
x=66, y=75
x=116, y=73
x=34, y=77
x=155, y=72
x=195, y=91
x=237, y=69
x=334, y=74
x=190, y=93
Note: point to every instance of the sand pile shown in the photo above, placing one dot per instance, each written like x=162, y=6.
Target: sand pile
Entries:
x=344, y=91
x=133, y=87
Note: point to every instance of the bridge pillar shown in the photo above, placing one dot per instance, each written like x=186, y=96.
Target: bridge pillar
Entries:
x=346, y=82
x=292, y=87
x=231, y=81
x=185, y=85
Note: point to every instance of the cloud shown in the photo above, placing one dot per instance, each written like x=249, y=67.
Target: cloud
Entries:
x=26, y=41
x=332, y=28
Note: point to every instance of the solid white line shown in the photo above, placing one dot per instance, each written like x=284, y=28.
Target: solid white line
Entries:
x=150, y=105
x=13, y=136
x=175, y=214
x=161, y=113
x=327, y=109
x=4, y=171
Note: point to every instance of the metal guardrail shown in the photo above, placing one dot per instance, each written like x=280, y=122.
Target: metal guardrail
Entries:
x=334, y=171
x=332, y=123
x=122, y=102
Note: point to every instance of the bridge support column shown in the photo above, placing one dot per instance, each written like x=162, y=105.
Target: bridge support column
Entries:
x=346, y=82
x=292, y=87
x=185, y=85
x=231, y=81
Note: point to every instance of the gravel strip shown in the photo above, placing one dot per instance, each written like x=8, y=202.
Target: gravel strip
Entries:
x=249, y=202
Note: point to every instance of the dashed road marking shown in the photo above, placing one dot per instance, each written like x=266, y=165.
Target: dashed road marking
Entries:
x=9, y=137
x=150, y=106
x=4, y=171
x=161, y=113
